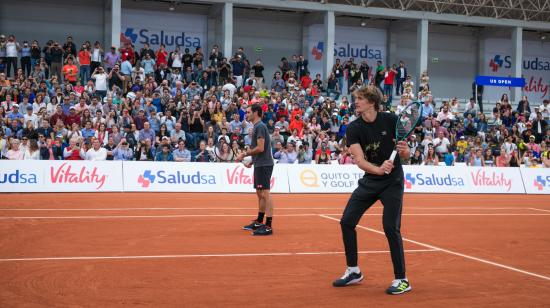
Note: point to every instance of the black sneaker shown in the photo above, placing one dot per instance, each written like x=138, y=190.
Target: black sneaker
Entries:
x=253, y=226
x=263, y=230
x=399, y=286
x=349, y=278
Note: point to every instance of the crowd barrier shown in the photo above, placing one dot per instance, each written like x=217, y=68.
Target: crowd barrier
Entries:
x=118, y=176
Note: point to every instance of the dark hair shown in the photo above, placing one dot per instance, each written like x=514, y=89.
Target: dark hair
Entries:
x=256, y=108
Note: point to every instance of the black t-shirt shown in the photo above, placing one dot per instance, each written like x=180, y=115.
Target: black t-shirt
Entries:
x=258, y=70
x=187, y=60
x=376, y=140
x=265, y=158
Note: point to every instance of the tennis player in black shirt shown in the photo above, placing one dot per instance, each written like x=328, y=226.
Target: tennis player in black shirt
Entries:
x=262, y=159
x=370, y=139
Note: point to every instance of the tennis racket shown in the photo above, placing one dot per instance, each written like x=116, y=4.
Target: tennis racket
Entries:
x=223, y=150
x=406, y=122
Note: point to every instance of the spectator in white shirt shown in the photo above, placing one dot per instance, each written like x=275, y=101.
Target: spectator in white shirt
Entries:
x=441, y=144
x=33, y=151
x=30, y=116
x=100, y=78
x=96, y=152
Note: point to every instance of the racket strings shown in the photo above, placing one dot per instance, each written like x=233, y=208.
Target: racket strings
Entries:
x=408, y=119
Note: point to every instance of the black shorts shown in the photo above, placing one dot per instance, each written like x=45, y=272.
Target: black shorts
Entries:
x=262, y=177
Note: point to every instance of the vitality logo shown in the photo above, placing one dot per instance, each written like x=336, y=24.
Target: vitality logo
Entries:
x=146, y=179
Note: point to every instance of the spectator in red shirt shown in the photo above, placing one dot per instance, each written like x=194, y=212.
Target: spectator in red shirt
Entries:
x=298, y=124
x=282, y=112
x=73, y=117
x=128, y=53
x=306, y=81
x=296, y=111
x=389, y=79
x=58, y=115
x=162, y=55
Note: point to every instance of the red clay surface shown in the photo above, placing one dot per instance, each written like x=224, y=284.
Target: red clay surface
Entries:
x=187, y=250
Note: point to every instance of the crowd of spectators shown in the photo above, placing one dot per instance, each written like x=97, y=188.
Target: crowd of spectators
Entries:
x=63, y=102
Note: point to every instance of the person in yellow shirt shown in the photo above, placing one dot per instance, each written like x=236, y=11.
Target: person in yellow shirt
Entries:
x=461, y=147
x=70, y=71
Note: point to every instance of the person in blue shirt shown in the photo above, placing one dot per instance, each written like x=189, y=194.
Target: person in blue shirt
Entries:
x=123, y=151
x=427, y=109
x=16, y=115
x=88, y=131
x=165, y=154
x=148, y=65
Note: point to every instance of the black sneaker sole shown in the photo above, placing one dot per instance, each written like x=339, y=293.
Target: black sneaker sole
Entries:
x=262, y=234
x=399, y=292
x=349, y=283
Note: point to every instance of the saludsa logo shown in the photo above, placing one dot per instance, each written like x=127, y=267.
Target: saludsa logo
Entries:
x=497, y=63
x=18, y=177
x=540, y=182
x=317, y=51
x=420, y=179
x=165, y=177
x=155, y=37
x=348, y=51
x=531, y=64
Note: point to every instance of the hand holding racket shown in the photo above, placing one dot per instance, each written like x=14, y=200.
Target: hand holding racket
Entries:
x=226, y=153
x=406, y=122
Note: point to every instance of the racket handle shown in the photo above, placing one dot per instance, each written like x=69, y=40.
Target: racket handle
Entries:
x=393, y=154
x=392, y=157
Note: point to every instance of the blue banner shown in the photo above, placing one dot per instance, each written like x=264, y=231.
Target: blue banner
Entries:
x=500, y=81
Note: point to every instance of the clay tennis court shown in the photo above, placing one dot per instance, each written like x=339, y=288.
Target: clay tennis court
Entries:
x=188, y=250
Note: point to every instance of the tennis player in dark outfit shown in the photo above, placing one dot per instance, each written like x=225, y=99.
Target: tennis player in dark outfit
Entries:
x=262, y=160
x=370, y=139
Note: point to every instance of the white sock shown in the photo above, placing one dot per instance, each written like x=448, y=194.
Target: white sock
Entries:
x=354, y=269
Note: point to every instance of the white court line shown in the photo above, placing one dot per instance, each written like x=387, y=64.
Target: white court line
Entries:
x=534, y=209
x=173, y=208
x=453, y=253
x=273, y=254
x=239, y=215
x=156, y=216
x=252, y=208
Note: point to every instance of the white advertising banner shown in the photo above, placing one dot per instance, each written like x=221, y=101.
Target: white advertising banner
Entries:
x=536, y=180
x=323, y=178
x=196, y=177
x=418, y=179
x=359, y=43
x=87, y=176
x=238, y=178
x=441, y=179
x=535, y=68
x=169, y=28
x=60, y=176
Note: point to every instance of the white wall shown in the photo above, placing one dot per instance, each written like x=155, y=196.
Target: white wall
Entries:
x=456, y=50
x=55, y=19
x=279, y=34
